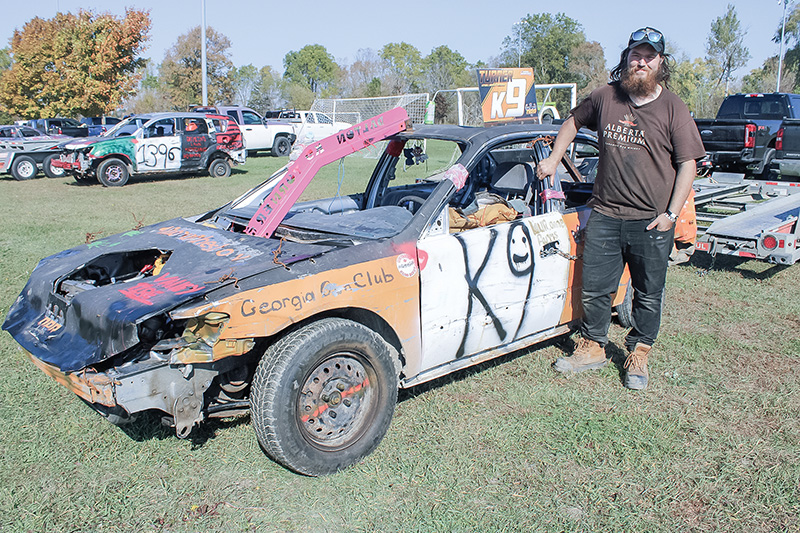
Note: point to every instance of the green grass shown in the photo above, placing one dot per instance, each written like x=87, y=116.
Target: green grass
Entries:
x=713, y=444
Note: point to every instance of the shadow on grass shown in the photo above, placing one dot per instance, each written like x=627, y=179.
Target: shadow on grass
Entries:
x=704, y=263
x=152, y=426
x=154, y=178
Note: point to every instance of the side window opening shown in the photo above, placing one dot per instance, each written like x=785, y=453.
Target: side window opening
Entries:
x=161, y=128
x=250, y=118
x=195, y=126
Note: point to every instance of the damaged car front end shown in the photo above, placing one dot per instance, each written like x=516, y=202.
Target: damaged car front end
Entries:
x=105, y=320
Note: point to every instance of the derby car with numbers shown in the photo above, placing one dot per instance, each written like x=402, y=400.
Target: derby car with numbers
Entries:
x=159, y=143
x=312, y=314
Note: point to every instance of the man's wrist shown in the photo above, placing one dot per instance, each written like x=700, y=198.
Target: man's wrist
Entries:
x=671, y=216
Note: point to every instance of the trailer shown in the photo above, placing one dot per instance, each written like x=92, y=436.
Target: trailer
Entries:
x=24, y=158
x=750, y=218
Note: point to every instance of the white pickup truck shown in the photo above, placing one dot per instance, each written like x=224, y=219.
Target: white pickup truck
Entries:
x=259, y=134
x=310, y=125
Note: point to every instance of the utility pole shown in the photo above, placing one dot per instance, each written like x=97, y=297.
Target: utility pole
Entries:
x=780, y=58
x=203, y=54
x=518, y=25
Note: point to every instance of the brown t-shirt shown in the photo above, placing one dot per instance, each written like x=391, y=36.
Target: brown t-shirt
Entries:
x=640, y=148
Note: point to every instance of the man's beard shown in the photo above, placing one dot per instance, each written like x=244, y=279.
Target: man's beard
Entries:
x=638, y=87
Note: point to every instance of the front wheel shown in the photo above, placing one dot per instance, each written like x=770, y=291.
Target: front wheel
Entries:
x=112, y=173
x=323, y=396
x=219, y=168
x=49, y=170
x=282, y=147
x=24, y=168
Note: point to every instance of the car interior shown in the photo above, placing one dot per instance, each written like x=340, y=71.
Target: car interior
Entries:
x=505, y=174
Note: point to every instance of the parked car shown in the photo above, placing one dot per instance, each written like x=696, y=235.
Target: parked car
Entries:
x=18, y=132
x=156, y=143
x=25, y=150
x=310, y=125
x=313, y=314
x=60, y=126
x=99, y=125
x=259, y=135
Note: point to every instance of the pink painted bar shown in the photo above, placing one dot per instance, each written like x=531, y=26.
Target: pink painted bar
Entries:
x=316, y=155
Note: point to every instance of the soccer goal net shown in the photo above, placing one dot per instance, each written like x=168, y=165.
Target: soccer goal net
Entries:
x=355, y=110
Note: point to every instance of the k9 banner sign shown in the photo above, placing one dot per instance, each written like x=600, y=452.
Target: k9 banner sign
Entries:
x=507, y=94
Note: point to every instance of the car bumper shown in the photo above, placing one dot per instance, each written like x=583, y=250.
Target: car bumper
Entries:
x=72, y=162
x=94, y=387
x=744, y=157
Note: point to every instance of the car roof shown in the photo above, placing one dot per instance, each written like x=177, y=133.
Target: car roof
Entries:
x=174, y=114
x=474, y=137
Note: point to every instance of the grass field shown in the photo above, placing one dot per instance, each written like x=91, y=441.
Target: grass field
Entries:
x=713, y=444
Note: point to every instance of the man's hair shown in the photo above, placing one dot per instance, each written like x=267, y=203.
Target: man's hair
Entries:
x=662, y=76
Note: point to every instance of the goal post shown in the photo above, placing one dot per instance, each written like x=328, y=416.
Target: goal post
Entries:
x=355, y=110
x=462, y=106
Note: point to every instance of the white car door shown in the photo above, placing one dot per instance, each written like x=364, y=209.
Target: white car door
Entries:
x=490, y=286
x=256, y=135
x=159, y=148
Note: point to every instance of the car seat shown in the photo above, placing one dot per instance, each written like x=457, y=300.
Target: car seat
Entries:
x=512, y=180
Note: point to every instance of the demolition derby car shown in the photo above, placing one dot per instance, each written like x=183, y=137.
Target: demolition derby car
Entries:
x=313, y=314
x=156, y=143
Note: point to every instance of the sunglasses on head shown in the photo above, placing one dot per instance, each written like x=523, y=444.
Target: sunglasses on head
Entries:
x=652, y=35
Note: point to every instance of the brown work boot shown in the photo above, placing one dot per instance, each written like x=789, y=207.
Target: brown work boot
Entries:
x=588, y=355
x=636, y=366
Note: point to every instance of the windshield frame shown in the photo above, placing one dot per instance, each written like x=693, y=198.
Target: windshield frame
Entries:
x=112, y=132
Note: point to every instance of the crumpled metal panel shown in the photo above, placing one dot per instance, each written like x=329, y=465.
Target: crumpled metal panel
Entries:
x=101, y=322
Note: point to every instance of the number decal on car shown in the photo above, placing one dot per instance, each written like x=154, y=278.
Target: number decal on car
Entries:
x=162, y=155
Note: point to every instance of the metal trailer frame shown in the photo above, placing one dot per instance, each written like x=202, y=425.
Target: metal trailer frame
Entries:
x=11, y=150
x=756, y=219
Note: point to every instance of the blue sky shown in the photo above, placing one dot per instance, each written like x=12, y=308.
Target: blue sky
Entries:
x=263, y=31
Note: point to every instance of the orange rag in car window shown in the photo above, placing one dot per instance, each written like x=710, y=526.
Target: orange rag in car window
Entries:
x=485, y=216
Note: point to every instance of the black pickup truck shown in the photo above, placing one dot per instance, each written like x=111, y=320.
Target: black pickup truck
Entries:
x=743, y=135
x=787, y=150
x=60, y=126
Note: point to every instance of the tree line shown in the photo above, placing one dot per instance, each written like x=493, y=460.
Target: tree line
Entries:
x=93, y=64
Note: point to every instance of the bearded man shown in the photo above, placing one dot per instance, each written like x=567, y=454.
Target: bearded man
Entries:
x=649, y=145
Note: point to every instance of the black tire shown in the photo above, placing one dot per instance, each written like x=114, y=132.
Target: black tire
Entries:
x=547, y=118
x=281, y=147
x=49, y=170
x=24, y=168
x=219, y=168
x=763, y=171
x=411, y=202
x=625, y=309
x=323, y=396
x=113, y=173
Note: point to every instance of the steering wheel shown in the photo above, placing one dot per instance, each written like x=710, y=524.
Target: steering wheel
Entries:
x=411, y=202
